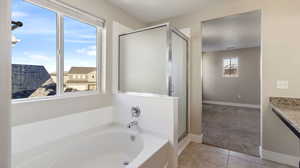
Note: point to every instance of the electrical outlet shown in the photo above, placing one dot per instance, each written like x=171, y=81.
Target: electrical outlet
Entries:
x=282, y=84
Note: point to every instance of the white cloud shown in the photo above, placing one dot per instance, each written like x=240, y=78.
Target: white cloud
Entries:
x=90, y=51
x=37, y=25
x=80, y=51
x=88, y=36
x=38, y=57
x=80, y=41
x=18, y=15
x=92, y=47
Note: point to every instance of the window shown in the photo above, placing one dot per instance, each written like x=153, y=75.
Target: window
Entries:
x=79, y=53
x=55, y=45
x=34, y=51
x=230, y=67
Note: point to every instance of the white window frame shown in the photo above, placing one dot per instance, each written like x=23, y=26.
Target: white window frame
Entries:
x=62, y=9
x=223, y=67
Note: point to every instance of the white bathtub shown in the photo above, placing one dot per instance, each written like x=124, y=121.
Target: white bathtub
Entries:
x=108, y=147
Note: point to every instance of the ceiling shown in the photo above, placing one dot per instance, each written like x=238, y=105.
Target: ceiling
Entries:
x=232, y=32
x=154, y=10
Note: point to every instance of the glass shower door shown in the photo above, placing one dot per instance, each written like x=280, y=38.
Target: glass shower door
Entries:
x=143, y=61
x=155, y=60
x=180, y=80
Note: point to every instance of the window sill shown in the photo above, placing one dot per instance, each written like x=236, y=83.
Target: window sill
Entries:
x=50, y=98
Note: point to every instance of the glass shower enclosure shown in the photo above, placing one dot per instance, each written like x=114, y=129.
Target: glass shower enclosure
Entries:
x=155, y=60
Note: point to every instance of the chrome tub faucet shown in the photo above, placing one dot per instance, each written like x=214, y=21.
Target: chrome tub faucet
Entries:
x=135, y=114
x=132, y=124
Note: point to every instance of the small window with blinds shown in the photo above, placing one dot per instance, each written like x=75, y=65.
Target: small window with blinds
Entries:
x=231, y=67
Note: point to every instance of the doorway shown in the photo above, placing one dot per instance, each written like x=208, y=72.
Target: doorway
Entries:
x=231, y=82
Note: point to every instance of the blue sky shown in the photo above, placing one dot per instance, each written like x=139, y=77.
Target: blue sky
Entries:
x=38, y=38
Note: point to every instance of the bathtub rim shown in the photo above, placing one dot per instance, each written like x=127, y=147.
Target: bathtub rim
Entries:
x=151, y=144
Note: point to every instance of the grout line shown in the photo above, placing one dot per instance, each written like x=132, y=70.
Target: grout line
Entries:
x=228, y=155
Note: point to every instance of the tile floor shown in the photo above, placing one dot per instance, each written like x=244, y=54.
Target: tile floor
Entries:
x=233, y=128
x=205, y=156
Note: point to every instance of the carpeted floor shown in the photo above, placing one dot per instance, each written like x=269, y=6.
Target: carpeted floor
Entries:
x=233, y=128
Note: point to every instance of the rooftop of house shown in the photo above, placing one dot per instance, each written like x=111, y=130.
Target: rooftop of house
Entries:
x=81, y=70
x=26, y=79
x=54, y=73
x=34, y=80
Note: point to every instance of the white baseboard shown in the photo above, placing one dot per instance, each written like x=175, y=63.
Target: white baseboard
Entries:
x=232, y=104
x=280, y=158
x=183, y=144
x=260, y=151
x=196, y=138
x=187, y=140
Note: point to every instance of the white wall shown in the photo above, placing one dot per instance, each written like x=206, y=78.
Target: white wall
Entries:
x=159, y=115
x=244, y=89
x=5, y=43
x=23, y=113
x=117, y=29
x=280, y=61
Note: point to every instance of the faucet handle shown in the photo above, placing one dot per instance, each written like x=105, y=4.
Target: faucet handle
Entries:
x=135, y=111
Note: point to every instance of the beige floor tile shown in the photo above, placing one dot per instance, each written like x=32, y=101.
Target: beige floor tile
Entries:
x=196, y=147
x=235, y=162
x=210, y=165
x=205, y=156
x=270, y=164
x=245, y=157
x=258, y=161
x=217, y=159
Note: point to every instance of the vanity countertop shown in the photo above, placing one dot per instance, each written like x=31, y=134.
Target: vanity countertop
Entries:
x=288, y=110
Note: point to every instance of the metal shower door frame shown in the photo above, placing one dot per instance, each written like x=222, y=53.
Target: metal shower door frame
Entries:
x=169, y=58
